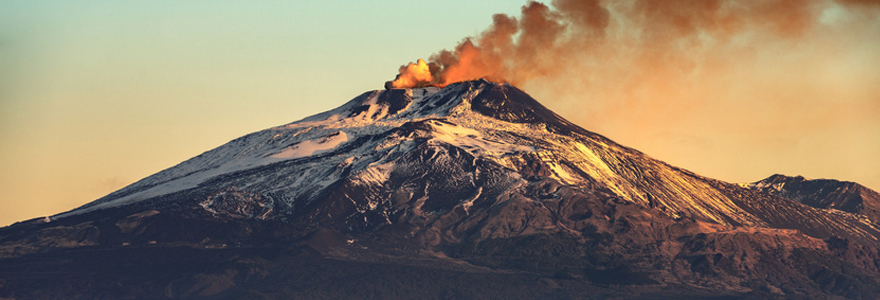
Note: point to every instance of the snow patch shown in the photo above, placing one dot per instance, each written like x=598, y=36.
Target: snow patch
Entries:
x=375, y=174
x=472, y=140
x=312, y=147
x=467, y=204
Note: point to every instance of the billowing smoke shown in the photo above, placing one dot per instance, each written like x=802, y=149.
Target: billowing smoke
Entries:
x=544, y=39
x=672, y=76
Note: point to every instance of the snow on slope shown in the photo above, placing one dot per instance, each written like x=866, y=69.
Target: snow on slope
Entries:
x=363, y=139
x=311, y=147
x=372, y=113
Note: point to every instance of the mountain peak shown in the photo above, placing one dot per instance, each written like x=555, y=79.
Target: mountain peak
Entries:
x=823, y=193
x=504, y=102
x=476, y=175
x=449, y=115
x=378, y=134
x=499, y=101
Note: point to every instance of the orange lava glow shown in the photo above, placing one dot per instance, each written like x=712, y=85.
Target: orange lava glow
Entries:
x=414, y=75
x=467, y=62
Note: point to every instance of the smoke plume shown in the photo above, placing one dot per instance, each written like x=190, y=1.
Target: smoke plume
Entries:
x=544, y=39
x=672, y=76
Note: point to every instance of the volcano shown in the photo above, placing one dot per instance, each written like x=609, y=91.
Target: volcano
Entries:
x=472, y=191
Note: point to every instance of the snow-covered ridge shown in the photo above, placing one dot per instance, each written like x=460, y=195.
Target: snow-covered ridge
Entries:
x=367, y=137
x=372, y=113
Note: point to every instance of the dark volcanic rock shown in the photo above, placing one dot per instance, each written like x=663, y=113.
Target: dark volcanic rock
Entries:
x=474, y=191
x=824, y=193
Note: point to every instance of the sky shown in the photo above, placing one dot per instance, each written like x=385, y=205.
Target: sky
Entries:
x=95, y=95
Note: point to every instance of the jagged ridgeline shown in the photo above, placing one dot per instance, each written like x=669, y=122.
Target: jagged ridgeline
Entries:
x=474, y=190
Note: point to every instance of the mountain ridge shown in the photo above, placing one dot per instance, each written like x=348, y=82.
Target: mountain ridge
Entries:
x=823, y=193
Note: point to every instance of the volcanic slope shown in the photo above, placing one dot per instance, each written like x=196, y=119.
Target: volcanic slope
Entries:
x=473, y=178
x=376, y=142
x=823, y=193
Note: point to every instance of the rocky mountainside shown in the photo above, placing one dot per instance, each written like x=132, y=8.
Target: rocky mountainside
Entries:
x=823, y=193
x=475, y=190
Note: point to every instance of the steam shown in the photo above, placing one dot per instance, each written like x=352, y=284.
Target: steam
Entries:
x=658, y=33
x=690, y=82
